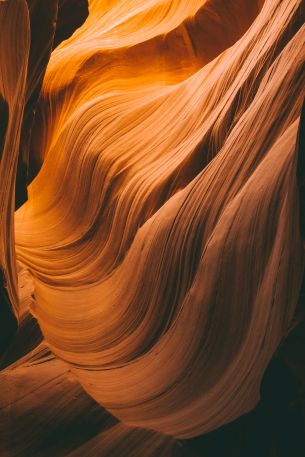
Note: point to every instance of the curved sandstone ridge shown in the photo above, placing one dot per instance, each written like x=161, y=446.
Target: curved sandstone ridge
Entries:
x=160, y=247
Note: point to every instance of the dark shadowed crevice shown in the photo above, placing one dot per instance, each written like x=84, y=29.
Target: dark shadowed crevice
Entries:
x=71, y=15
x=60, y=19
x=4, y=112
x=8, y=322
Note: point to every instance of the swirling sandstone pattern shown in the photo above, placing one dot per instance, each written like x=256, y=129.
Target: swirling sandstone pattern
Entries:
x=160, y=247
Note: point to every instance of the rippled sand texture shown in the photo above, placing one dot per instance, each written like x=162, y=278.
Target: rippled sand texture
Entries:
x=160, y=247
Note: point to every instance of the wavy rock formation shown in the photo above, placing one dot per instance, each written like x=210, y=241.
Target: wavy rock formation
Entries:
x=160, y=249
